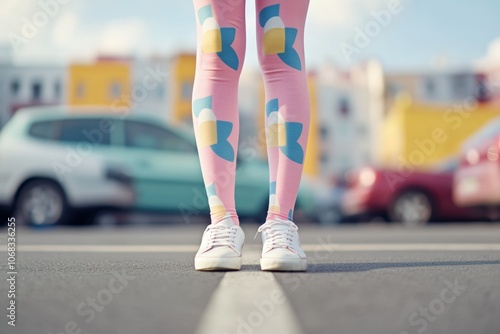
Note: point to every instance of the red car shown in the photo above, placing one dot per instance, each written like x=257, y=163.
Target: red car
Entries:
x=411, y=198
x=477, y=179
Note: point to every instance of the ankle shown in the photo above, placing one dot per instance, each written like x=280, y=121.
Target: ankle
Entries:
x=277, y=216
x=234, y=218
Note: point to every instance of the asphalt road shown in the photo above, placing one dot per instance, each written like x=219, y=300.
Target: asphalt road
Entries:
x=361, y=279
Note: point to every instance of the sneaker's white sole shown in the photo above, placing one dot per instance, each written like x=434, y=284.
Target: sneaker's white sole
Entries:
x=226, y=263
x=276, y=264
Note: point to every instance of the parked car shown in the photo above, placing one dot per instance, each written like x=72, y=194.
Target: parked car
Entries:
x=55, y=160
x=48, y=176
x=411, y=198
x=477, y=179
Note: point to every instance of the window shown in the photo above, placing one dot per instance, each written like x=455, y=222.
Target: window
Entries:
x=86, y=130
x=147, y=136
x=36, y=91
x=430, y=87
x=80, y=90
x=115, y=91
x=15, y=87
x=44, y=130
x=459, y=85
x=57, y=89
x=344, y=106
x=483, y=91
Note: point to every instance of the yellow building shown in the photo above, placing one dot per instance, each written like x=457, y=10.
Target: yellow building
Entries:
x=103, y=83
x=183, y=68
x=420, y=135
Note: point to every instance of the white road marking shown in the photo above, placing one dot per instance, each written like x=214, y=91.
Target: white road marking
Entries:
x=401, y=247
x=249, y=302
x=110, y=248
x=376, y=247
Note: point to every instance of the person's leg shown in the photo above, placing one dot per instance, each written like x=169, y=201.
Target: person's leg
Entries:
x=220, y=55
x=220, y=52
x=280, y=40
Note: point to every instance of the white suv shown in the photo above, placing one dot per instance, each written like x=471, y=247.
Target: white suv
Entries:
x=51, y=174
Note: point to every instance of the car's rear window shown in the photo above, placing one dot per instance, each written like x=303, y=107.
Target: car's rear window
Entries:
x=72, y=130
x=45, y=129
x=147, y=136
x=84, y=130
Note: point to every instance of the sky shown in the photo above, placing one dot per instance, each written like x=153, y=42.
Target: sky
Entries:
x=417, y=35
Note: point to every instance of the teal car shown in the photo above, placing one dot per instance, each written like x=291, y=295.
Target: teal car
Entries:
x=160, y=159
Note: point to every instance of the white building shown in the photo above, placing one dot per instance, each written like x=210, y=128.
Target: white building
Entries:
x=438, y=87
x=489, y=66
x=351, y=110
x=448, y=86
x=22, y=86
x=150, y=81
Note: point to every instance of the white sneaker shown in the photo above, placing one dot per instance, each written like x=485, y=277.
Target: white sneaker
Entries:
x=220, y=247
x=281, y=251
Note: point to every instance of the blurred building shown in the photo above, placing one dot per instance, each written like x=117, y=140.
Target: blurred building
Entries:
x=418, y=135
x=150, y=92
x=489, y=67
x=437, y=87
x=5, y=54
x=432, y=113
x=23, y=86
x=182, y=70
x=350, y=113
x=105, y=82
x=490, y=76
x=493, y=79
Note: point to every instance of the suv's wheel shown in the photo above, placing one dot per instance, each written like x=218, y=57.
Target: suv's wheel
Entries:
x=411, y=208
x=41, y=203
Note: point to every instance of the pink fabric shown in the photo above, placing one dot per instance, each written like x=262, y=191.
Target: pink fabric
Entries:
x=220, y=57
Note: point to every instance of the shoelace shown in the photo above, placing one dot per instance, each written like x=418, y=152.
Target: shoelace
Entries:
x=221, y=236
x=279, y=233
